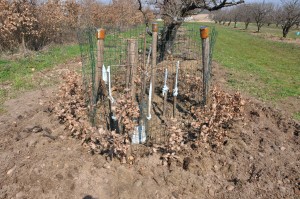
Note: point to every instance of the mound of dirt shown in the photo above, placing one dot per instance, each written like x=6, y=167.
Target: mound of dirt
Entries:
x=259, y=158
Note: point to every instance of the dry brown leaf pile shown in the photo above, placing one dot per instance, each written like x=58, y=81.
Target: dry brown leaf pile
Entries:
x=209, y=124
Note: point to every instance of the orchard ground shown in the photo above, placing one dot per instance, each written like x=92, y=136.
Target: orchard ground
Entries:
x=259, y=158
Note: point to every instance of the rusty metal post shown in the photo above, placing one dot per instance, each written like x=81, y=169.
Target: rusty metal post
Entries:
x=100, y=57
x=204, y=33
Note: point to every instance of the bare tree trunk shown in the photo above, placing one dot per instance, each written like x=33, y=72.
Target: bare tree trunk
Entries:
x=246, y=25
x=235, y=24
x=285, y=31
x=167, y=39
x=229, y=23
x=23, y=44
x=258, y=27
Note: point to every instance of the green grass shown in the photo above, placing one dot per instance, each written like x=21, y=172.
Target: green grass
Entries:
x=16, y=74
x=266, y=69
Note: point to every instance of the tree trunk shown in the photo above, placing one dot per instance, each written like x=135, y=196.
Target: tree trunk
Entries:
x=229, y=23
x=246, y=25
x=23, y=44
x=235, y=24
x=285, y=31
x=167, y=39
x=258, y=27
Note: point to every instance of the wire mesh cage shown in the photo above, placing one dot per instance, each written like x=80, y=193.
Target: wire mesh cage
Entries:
x=127, y=69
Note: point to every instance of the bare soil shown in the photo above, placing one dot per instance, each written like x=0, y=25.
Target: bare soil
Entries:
x=272, y=37
x=260, y=158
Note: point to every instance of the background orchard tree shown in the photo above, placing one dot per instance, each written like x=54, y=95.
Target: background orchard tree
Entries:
x=219, y=16
x=276, y=15
x=245, y=14
x=259, y=13
x=235, y=15
x=173, y=13
x=289, y=15
x=271, y=15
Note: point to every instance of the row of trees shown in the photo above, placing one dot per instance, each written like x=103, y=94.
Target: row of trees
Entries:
x=286, y=15
x=32, y=24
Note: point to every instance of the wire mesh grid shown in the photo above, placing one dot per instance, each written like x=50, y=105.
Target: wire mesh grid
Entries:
x=186, y=49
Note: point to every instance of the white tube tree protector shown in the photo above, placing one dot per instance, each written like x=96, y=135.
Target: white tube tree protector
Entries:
x=175, y=91
x=109, y=86
x=104, y=75
x=165, y=88
x=149, y=103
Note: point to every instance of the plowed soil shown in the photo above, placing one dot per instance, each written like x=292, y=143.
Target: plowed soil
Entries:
x=260, y=158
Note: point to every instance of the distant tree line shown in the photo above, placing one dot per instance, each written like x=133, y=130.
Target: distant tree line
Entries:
x=32, y=24
x=286, y=15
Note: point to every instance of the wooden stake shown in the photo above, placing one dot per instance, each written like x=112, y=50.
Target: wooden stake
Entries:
x=132, y=63
x=128, y=67
x=100, y=54
x=205, y=62
x=143, y=84
x=154, y=54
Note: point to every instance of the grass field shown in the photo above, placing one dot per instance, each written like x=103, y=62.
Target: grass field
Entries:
x=269, y=70
x=16, y=74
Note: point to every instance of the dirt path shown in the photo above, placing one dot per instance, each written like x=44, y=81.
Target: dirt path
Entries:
x=260, y=158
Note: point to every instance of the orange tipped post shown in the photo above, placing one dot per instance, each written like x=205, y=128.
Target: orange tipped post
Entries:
x=154, y=27
x=101, y=34
x=204, y=32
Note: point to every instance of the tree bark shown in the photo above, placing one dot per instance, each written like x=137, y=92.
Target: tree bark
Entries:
x=285, y=31
x=246, y=25
x=23, y=44
x=167, y=39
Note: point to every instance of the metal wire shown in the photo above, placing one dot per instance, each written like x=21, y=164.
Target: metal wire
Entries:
x=186, y=49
